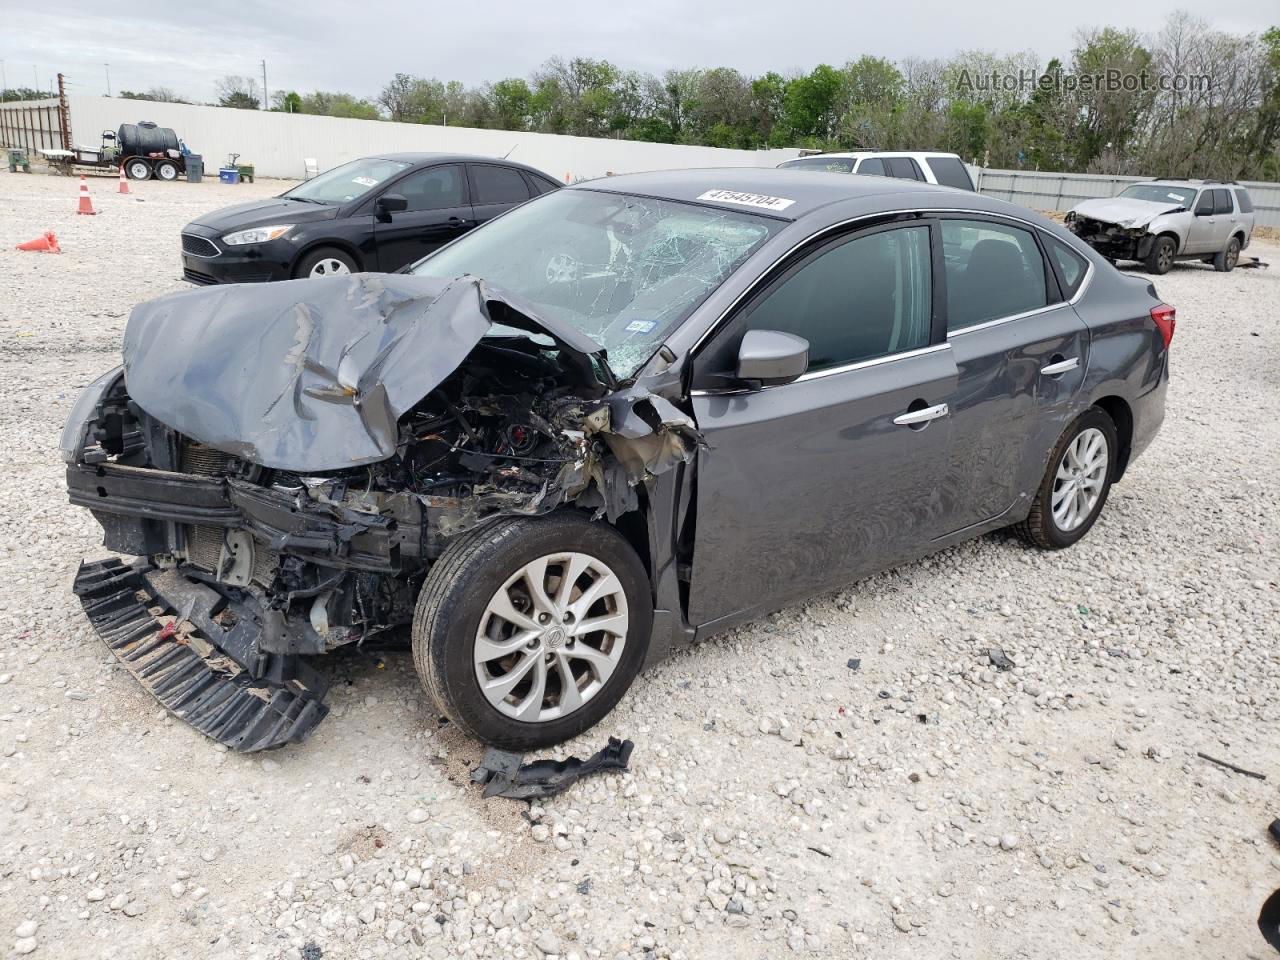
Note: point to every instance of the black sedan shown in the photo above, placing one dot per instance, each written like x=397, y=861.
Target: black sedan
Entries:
x=372, y=214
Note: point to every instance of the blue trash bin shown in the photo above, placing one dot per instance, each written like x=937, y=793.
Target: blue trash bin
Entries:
x=229, y=176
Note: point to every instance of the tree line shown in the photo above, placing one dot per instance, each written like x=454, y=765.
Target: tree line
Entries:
x=1223, y=121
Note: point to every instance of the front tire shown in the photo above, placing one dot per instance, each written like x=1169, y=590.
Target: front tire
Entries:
x=1227, y=259
x=1160, y=259
x=529, y=630
x=137, y=169
x=1075, y=485
x=325, y=262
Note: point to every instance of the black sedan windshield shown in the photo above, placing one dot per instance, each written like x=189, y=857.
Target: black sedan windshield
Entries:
x=347, y=182
x=624, y=270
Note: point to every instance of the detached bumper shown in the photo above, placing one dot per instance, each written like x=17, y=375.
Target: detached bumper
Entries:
x=200, y=664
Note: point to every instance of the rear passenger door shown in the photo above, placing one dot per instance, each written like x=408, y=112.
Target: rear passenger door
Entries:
x=1224, y=212
x=1021, y=354
x=495, y=190
x=904, y=168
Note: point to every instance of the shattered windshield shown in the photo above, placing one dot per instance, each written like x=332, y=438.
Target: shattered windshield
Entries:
x=623, y=270
x=1159, y=193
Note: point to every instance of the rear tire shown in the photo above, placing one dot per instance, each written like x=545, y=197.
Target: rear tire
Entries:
x=166, y=170
x=1045, y=526
x=137, y=169
x=325, y=262
x=1160, y=259
x=1227, y=259
x=461, y=639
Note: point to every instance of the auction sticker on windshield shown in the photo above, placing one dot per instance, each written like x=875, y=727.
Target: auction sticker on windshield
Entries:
x=747, y=199
x=365, y=181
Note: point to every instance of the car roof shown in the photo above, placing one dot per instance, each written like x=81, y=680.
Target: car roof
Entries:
x=426, y=157
x=806, y=190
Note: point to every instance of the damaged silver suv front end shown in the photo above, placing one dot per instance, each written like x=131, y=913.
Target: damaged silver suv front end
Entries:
x=286, y=463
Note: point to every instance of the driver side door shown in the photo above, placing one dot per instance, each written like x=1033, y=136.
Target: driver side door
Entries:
x=814, y=482
x=438, y=210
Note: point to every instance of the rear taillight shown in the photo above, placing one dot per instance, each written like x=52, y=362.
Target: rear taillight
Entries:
x=1164, y=316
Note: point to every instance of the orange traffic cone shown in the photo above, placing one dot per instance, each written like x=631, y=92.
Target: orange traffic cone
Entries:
x=567, y=177
x=124, y=184
x=86, y=205
x=47, y=243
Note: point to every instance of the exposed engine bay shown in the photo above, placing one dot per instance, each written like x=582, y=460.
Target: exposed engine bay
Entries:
x=254, y=553
x=1113, y=241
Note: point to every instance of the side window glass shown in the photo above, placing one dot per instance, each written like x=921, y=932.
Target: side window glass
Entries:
x=1222, y=202
x=436, y=188
x=873, y=166
x=950, y=172
x=866, y=298
x=1071, y=266
x=497, y=184
x=900, y=167
x=1242, y=199
x=992, y=271
x=1204, y=206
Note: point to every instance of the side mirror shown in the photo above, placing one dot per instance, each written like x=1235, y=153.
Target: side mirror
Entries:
x=771, y=357
x=1203, y=212
x=389, y=203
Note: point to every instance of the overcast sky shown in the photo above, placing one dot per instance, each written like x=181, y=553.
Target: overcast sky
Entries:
x=356, y=45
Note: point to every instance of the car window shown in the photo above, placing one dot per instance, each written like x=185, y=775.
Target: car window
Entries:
x=830, y=164
x=1222, y=202
x=950, y=172
x=1204, y=206
x=436, y=188
x=541, y=185
x=992, y=271
x=1071, y=266
x=497, y=184
x=1243, y=200
x=868, y=297
x=873, y=166
x=904, y=168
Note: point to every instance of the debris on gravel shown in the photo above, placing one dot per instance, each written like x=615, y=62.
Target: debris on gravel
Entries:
x=854, y=776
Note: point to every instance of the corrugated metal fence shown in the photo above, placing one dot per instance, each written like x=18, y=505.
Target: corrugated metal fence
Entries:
x=1042, y=190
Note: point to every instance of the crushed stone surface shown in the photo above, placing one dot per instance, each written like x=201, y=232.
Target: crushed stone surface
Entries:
x=851, y=777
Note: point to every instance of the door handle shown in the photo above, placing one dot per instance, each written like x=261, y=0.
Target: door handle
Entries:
x=913, y=417
x=1062, y=366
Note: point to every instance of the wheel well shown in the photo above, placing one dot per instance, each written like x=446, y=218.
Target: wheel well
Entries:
x=336, y=245
x=1118, y=410
x=1177, y=242
x=1239, y=235
x=635, y=530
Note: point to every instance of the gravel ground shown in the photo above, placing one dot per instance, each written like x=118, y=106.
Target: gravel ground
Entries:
x=921, y=804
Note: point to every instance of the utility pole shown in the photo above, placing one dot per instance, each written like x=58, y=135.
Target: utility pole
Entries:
x=266, y=103
x=4, y=84
x=107, y=66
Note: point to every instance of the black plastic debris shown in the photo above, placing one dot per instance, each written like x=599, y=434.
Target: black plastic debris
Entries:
x=1274, y=830
x=504, y=775
x=1231, y=766
x=999, y=659
x=1269, y=920
x=854, y=664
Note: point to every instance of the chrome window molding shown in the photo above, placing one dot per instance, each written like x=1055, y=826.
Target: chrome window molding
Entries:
x=714, y=327
x=829, y=371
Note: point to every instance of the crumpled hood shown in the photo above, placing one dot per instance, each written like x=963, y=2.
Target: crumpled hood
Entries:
x=311, y=375
x=1124, y=211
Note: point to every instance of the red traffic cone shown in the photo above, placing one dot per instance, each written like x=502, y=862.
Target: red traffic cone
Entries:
x=86, y=205
x=124, y=184
x=47, y=243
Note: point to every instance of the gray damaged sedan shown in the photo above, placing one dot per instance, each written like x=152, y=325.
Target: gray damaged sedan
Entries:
x=621, y=417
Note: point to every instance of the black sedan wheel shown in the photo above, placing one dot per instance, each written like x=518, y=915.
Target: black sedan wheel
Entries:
x=529, y=630
x=325, y=262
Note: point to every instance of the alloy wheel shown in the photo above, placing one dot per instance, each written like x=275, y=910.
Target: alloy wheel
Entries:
x=1080, y=479
x=551, y=637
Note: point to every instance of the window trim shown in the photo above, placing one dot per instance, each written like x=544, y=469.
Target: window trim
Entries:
x=794, y=265
x=851, y=224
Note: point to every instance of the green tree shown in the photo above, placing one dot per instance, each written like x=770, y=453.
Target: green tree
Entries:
x=239, y=93
x=810, y=109
x=511, y=102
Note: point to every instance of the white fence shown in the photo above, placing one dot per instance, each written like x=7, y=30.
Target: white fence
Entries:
x=277, y=143
x=1040, y=190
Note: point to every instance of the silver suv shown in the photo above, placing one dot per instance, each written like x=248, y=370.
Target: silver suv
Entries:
x=1161, y=221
